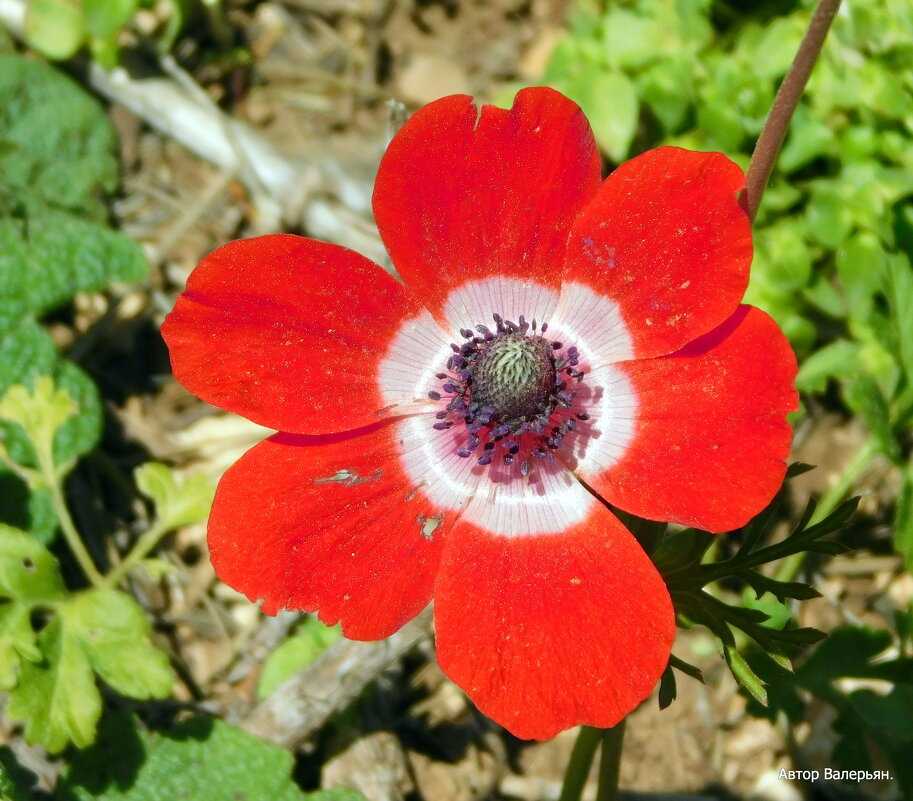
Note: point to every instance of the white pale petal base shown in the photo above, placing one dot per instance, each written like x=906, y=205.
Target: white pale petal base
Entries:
x=497, y=497
x=474, y=302
x=407, y=372
x=494, y=497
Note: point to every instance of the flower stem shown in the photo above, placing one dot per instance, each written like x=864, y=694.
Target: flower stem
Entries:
x=578, y=767
x=54, y=481
x=142, y=547
x=610, y=763
x=788, y=95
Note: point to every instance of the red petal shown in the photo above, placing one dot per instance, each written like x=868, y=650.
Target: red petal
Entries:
x=329, y=524
x=288, y=332
x=463, y=195
x=546, y=632
x=710, y=434
x=666, y=239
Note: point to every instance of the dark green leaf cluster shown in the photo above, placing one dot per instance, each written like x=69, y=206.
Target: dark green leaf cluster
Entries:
x=691, y=579
x=57, y=168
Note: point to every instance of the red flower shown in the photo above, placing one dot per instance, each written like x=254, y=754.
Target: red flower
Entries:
x=558, y=340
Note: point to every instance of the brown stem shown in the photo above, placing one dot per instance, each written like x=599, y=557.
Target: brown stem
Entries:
x=774, y=131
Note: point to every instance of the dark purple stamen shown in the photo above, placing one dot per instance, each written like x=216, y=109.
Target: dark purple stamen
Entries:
x=506, y=384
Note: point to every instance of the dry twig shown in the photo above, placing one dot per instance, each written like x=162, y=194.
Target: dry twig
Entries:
x=308, y=700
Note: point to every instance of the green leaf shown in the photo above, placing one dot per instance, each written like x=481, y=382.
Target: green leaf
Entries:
x=783, y=260
x=777, y=46
x=177, y=503
x=104, y=18
x=631, y=40
x=666, y=89
x=849, y=652
x=865, y=398
x=40, y=411
x=899, y=293
x=60, y=146
x=28, y=509
x=837, y=359
x=29, y=573
x=55, y=28
x=26, y=352
x=113, y=632
x=903, y=520
x=668, y=690
x=744, y=675
x=609, y=100
x=96, y=631
x=47, y=255
x=57, y=699
x=201, y=759
x=17, y=640
x=780, y=589
x=828, y=217
x=310, y=640
x=861, y=265
x=808, y=139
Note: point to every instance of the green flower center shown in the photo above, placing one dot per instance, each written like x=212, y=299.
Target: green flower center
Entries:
x=514, y=376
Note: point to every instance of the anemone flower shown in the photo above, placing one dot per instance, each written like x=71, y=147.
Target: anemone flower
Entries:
x=558, y=344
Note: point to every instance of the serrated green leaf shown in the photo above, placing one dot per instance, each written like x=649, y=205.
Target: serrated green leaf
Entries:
x=744, y=675
x=113, y=632
x=17, y=640
x=47, y=255
x=57, y=699
x=177, y=502
x=29, y=573
x=55, y=28
x=201, y=759
x=41, y=411
x=779, y=589
x=26, y=352
x=63, y=145
x=307, y=643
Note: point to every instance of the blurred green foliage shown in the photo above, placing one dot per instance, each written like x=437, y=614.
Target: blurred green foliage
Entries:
x=835, y=229
x=310, y=639
x=60, y=28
